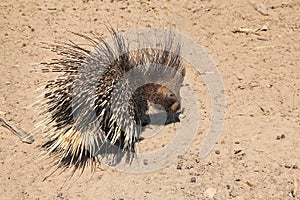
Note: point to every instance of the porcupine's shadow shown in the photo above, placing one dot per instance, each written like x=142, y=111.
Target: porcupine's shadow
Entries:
x=157, y=115
x=109, y=153
x=113, y=154
x=170, y=118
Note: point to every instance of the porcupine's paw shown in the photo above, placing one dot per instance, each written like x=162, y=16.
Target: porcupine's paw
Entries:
x=172, y=118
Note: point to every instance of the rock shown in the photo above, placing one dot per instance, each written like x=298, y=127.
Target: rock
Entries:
x=264, y=28
x=287, y=166
x=210, y=193
x=295, y=166
x=193, y=179
x=145, y=162
x=278, y=137
x=182, y=116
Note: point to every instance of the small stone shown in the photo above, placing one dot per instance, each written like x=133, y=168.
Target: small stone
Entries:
x=193, y=179
x=264, y=28
x=217, y=152
x=288, y=166
x=237, y=151
x=210, y=192
x=182, y=116
x=269, y=85
x=60, y=195
x=237, y=179
x=295, y=166
x=278, y=137
x=241, y=87
x=179, y=167
x=189, y=167
x=282, y=136
x=145, y=162
x=237, y=142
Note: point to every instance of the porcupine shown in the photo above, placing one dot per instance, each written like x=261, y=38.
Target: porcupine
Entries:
x=94, y=100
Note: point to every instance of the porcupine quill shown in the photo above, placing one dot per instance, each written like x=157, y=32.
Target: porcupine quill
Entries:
x=95, y=105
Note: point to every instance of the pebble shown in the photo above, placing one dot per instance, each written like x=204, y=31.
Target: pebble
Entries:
x=217, y=152
x=145, y=162
x=193, y=179
x=210, y=193
x=278, y=137
x=241, y=87
x=237, y=151
x=282, y=136
x=264, y=28
x=60, y=195
x=182, y=116
x=189, y=167
x=295, y=166
x=179, y=167
x=287, y=166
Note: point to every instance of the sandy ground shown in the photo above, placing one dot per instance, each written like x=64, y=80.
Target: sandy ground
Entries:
x=256, y=49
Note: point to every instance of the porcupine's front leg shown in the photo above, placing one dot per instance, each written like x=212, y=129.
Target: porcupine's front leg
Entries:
x=141, y=109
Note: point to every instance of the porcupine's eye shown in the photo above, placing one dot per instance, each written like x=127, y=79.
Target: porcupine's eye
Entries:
x=172, y=104
x=171, y=94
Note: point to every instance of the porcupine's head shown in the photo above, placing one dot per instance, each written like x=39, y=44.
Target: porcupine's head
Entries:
x=162, y=95
x=87, y=108
x=166, y=98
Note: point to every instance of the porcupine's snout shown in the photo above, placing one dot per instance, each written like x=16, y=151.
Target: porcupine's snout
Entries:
x=171, y=103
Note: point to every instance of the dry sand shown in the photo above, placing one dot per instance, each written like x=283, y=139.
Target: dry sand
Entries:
x=256, y=49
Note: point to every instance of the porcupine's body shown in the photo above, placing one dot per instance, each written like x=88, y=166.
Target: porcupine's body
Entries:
x=103, y=95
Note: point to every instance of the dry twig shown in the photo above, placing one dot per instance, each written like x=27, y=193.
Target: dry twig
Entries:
x=24, y=137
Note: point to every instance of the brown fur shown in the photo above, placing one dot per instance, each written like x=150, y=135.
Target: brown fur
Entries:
x=157, y=94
